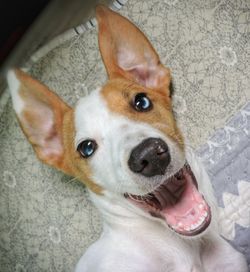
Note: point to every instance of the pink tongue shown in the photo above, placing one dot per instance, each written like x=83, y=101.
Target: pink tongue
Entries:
x=190, y=212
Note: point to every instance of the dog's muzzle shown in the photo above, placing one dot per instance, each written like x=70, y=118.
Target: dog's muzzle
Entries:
x=150, y=158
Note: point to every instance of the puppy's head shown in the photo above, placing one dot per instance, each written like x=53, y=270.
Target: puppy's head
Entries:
x=122, y=138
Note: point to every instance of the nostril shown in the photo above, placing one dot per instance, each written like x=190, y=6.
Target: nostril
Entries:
x=144, y=163
x=141, y=166
x=151, y=157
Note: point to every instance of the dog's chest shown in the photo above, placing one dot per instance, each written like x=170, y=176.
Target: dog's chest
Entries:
x=165, y=253
x=144, y=250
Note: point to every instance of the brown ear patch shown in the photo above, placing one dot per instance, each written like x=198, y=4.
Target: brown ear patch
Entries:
x=127, y=52
x=119, y=94
x=44, y=136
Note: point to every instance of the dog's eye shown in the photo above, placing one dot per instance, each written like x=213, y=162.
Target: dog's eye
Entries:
x=87, y=148
x=142, y=102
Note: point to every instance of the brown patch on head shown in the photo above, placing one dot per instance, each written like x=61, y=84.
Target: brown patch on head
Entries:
x=133, y=67
x=119, y=94
x=48, y=124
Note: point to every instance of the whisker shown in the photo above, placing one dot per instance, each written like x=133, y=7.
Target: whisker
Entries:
x=73, y=179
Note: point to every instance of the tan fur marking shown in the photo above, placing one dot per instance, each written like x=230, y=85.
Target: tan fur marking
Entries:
x=77, y=164
x=119, y=94
x=133, y=66
x=118, y=35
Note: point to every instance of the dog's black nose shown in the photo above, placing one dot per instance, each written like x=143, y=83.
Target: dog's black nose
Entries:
x=150, y=158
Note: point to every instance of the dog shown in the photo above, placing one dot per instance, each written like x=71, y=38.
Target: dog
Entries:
x=122, y=141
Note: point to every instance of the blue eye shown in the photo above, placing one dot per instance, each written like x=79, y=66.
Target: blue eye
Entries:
x=87, y=148
x=142, y=102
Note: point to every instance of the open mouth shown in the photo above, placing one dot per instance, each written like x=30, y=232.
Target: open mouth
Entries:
x=179, y=202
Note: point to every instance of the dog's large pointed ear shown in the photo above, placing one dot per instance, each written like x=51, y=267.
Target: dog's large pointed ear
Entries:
x=40, y=113
x=127, y=52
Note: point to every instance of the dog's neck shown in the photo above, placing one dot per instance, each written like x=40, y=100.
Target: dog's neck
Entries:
x=118, y=213
x=119, y=218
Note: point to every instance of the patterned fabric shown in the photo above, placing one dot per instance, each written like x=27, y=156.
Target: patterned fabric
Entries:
x=227, y=158
x=46, y=219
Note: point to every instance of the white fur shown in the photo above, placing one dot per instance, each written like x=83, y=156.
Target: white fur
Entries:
x=14, y=85
x=133, y=241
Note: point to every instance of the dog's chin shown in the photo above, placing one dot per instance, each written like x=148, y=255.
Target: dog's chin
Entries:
x=178, y=202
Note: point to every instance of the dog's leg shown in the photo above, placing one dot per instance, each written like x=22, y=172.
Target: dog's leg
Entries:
x=218, y=256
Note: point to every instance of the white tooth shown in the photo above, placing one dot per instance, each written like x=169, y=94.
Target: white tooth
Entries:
x=193, y=226
x=201, y=220
x=187, y=228
x=205, y=214
x=180, y=225
x=197, y=224
x=201, y=206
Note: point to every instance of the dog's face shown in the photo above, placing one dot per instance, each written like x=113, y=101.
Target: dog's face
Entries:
x=127, y=136
x=122, y=138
